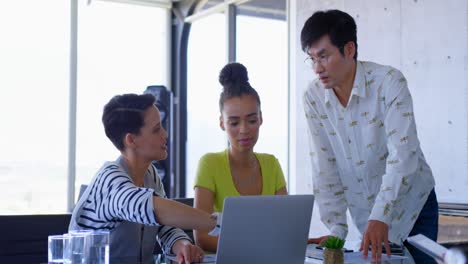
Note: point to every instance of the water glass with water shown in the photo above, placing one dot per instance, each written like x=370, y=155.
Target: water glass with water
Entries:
x=76, y=248
x=98, y=247
x=56, y=245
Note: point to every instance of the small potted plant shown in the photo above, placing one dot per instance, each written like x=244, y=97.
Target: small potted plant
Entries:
x=333, y=253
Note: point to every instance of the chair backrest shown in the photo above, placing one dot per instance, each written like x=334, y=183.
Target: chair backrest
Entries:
x=187, y=201
x=82, y=189
x=23, y=238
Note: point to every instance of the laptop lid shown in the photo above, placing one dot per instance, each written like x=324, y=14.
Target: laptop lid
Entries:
x=265, y=229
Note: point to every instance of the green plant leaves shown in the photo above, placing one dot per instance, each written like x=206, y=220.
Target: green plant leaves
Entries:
x=334, y=243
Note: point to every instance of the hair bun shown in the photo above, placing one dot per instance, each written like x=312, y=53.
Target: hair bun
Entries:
x=233, y=73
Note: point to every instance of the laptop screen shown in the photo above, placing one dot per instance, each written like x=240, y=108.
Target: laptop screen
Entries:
x=265, y=229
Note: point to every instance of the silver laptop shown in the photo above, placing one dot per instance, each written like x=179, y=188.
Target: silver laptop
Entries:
x=265, y=229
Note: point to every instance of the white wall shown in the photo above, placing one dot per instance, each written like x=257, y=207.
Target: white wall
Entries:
x=427, y=40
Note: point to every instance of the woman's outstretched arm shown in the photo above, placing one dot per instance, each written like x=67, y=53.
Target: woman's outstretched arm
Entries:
x=179, y=215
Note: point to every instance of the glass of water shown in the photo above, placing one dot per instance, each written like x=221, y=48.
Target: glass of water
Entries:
x=98, y=247
x=76, y=248
x=56, y=245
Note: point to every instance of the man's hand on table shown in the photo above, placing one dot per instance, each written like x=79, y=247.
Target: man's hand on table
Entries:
x=376, y=233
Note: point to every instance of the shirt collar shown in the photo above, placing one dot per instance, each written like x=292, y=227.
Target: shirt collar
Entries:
x=359, y=86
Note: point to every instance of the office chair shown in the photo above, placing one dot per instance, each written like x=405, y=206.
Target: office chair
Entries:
x=82, y=189
x=24, y=237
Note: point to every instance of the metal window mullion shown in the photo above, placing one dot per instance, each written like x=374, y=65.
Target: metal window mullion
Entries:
x=231, y=41
x=288, y=133
x=72, y=105
x=231, y=32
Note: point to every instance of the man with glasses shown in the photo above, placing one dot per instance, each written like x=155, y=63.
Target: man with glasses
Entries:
x=364, y=147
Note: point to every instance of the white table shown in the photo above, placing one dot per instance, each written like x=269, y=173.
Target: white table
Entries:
x=357, y=259
x=356, y=256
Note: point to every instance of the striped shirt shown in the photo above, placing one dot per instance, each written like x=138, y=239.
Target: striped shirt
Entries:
x=113, y=202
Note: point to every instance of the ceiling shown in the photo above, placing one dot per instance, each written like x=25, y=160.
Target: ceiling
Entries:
x=273, y=9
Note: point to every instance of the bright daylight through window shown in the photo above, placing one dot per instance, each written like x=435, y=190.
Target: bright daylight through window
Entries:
x=258, y=39
x=130, y=56
x=123, y=53
x=34, y=62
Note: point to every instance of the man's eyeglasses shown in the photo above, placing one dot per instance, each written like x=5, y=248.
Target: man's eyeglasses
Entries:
x=313, y=62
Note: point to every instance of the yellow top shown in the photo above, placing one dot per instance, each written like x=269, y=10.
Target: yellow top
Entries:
x=214, y=174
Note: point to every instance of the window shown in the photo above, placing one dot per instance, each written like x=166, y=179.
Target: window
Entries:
x=34, y=62
x=262, y=43
x=262, y=46
x=206, y=57
x=121, y=49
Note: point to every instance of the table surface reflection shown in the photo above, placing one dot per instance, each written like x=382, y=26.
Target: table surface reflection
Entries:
x=354, y=257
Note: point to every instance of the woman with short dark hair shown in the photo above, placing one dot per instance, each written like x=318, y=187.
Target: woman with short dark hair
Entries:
x=127, y=197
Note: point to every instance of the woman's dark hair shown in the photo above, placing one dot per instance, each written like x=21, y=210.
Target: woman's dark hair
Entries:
x=338, y=25
x=235, y=81
x=125, y=114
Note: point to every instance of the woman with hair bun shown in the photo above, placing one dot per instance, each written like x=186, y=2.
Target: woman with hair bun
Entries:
x=238, y=170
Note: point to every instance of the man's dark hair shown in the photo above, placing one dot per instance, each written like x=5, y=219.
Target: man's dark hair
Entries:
x=338, y=25
x=125, y=114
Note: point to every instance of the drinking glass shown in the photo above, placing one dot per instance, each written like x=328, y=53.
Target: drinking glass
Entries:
x=98, y=247
x=56, y=245
x=76, y=249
